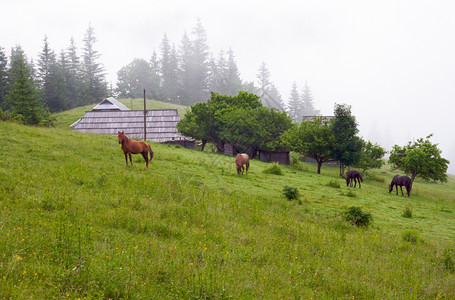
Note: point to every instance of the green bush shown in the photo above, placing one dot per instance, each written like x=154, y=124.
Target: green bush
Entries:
x=356, y=217
x=407, y=213
x=290, y=192
x=449, y=259
x=334, y=184
x=274, y=168
x=411, y=235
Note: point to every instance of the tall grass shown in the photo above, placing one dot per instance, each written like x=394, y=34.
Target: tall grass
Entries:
x=75, y=223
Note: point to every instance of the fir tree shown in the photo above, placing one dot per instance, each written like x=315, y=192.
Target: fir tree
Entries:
x=3, y=78
x=295, y=104
x=308, y=103
x=22, y=94
x=93, y=72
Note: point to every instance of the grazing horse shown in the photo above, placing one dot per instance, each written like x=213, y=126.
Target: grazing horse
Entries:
x=400, y=181
x=240, y=160
x=355, y=176
x=133, y=147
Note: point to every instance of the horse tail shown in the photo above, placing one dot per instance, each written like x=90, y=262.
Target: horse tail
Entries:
x=151, y=153
x=360, y=176
x=247, y=165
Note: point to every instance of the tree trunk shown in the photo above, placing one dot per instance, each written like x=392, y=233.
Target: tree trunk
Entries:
x=319, y=166
x=413, y=177
x=204, y=142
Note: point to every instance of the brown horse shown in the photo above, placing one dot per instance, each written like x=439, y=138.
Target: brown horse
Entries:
x=353, y=175
x=133, y=147
x=240, y=160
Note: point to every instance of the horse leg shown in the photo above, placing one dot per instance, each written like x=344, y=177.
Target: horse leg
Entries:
x=401, y=188
x=131, y=160
x=146, y=158
x=355, y=182
x=396, y=186
x=126, y=159
x=359, y=183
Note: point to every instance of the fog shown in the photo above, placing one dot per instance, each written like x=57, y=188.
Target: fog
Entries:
x=392, y=61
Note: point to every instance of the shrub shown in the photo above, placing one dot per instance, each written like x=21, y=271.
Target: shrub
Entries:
x=290, y=192
x=274, y=168
x=407, y=213
x=449, y=259
x=334, y=184
x=356, y=217
x=411, y=235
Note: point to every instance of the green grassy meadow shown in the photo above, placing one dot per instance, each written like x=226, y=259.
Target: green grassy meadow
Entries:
x=75, y=222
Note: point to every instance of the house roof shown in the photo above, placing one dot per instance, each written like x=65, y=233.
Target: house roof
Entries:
x=110, y=104
x=161, y=124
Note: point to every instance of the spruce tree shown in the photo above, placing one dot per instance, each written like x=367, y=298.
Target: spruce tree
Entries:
x=169, y=81
x=73, y=75
x=233, y=78
x=295, y=104
x=22, y=95
x=93, y=71
x=200, y=92
x=3, y=78
x=308, y=103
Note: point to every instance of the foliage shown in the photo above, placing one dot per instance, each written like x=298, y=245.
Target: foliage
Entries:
x=449, y=259
x=291, y=193
x=3, y=78
x=347, y=145
x=407, y=213
x=357, y=217
x=274, y=168
x=334, y=184
x=411, y=235
x=135, y=77
x=371, y=156
x=22, y=95
x=240, y=120
x=420, y=159
x=312, y=138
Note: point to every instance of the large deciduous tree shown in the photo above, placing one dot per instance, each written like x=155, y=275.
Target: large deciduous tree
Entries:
x=135, y=77
x=420, y=159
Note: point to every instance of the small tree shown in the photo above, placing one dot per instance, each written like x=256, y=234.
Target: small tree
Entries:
x=370, y=157
x=421, y=158
x=347, y=144
x=313, y=139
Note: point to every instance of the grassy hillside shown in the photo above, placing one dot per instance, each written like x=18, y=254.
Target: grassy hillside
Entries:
x=66, y=118
x=75, y=222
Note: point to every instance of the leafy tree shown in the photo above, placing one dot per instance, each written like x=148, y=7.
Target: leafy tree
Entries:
x=420, y=159
x=93, y=71
x=135, y=77
x=347, y=144
x=254, y=129
x=370, y=157
x=206, y=120
x=313, y=139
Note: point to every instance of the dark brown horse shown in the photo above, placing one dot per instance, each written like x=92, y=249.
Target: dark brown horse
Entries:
x=353, y=175
x=134, y=147
x=240, y=160
x=400, y=181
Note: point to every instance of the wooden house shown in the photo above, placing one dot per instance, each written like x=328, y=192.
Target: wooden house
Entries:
x=109, y=117
x=280, y=156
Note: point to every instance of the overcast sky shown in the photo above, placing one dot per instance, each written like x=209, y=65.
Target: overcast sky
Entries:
x=392, y=61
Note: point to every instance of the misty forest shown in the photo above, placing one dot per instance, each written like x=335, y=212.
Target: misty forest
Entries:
x=182, y=74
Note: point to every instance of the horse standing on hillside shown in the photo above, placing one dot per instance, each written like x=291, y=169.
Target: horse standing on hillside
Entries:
x=353, y=175
x=240, y=160
x=400, y=181
x=134, y=147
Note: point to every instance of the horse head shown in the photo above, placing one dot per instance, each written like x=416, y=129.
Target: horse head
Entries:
x=121, y=136
x=390, y=187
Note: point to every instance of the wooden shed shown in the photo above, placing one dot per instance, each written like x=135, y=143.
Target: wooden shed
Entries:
x=160, y=124
x=280, y=156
